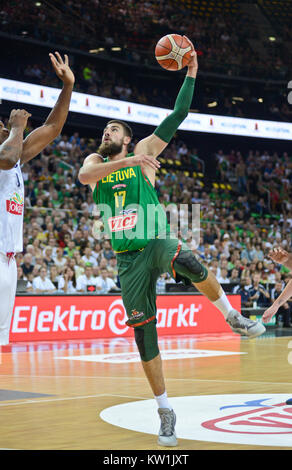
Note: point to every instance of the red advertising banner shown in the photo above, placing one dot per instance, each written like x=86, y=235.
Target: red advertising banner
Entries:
x=38, y=318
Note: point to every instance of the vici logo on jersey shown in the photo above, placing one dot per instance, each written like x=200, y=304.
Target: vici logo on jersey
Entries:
x=15, y=204
x=123, y=222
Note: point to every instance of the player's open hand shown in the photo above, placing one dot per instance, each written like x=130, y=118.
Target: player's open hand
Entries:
x=144, y=161
x=269, y=313
x=193, y=63
x=62, y=68
x=279, y=255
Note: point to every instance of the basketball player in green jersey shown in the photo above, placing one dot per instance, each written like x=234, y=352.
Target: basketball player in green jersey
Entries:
x=123, y=188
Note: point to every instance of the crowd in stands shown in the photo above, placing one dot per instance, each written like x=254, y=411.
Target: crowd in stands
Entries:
x=245, y=208
x=223, y=43
x=108, y=82
x=65, y=249
x=223, y=39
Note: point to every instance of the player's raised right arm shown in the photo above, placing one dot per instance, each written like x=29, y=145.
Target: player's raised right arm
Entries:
x=156, y=142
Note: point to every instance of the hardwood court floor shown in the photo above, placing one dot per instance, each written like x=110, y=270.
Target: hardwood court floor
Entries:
x=51, y=398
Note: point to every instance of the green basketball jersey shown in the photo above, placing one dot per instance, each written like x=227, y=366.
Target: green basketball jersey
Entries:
x=130, y=209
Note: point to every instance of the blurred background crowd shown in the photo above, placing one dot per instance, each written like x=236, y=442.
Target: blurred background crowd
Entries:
x=244, y=209
x=244, y=50
x=244, y=53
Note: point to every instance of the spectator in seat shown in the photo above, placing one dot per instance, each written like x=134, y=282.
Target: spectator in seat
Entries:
x=259, y=254
x=113, y=269
x=223, y=278
x=160, y=284
x=54, y=275
x=67, y=282
x=42, y=283
x=86, y=279
x=105, y=283
x=243, y=289
x=88, y=258
x=70, y=249
x=234, y=278
x=48, y=258
x=107, y=251
x=240, y=172
x=60, y=260
x=258, y=293
x=271, y=276
x=27, y=265
x=284, y=312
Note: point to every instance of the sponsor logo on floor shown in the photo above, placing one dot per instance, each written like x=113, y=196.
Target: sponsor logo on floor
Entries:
x=167, y=354
x=251, y=419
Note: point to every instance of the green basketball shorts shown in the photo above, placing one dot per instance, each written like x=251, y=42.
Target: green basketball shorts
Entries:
x=138, y=274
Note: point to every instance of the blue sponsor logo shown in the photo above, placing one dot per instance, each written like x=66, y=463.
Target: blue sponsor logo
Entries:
x=248, y=403
x=233, y=125
x=148, y=114
x=193, y=121
x=278, y=129
x=16, y=91
x=108, y=107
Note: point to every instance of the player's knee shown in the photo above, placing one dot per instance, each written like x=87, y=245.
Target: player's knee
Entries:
x=188, y=269
x=147, y=341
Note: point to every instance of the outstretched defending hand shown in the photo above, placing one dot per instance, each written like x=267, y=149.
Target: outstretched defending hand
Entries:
x=269, y=313
x=62, y=68
x=18, y=118
x=279, y=255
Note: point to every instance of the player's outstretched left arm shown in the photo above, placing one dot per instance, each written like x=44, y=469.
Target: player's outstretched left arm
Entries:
x=281, y=256
x=155, y=143
x=38, y=139
x=283, y=297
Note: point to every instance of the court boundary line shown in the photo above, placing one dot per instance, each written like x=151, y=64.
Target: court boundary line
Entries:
x=79, y=397
x=143, y=378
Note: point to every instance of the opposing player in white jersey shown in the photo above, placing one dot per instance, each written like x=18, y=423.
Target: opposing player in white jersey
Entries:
x=14, y=151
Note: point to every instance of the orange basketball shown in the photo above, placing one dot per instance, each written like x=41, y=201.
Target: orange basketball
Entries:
x=173, y=52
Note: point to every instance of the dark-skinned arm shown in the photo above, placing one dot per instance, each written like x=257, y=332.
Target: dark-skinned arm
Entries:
x=11, y=148
x=38, y=139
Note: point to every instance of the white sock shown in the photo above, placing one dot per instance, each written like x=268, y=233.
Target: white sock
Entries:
x=162, y=401
x=223, y=305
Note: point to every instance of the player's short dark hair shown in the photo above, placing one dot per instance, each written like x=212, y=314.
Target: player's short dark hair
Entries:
x=127, y=129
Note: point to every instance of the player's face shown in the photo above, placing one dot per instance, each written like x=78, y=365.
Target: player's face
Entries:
x=113, y=140
x=4, y=133
x=113, y=133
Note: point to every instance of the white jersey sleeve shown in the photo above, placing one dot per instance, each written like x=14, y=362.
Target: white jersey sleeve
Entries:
x=11, y=210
